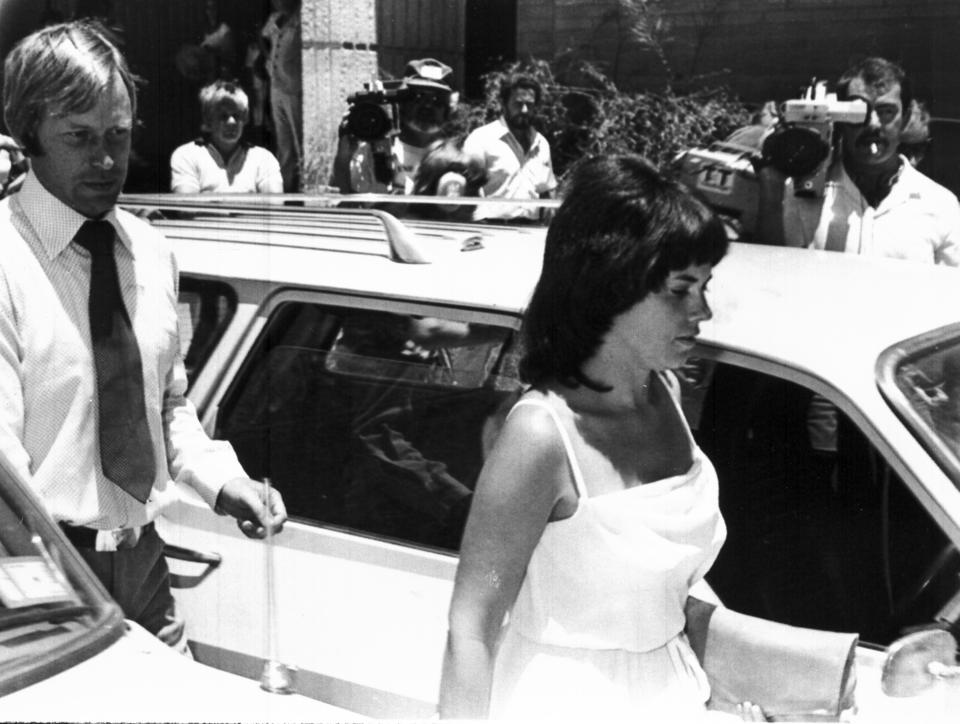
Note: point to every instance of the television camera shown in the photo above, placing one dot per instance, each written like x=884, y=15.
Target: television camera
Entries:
x=800, y=145
x=373, y=112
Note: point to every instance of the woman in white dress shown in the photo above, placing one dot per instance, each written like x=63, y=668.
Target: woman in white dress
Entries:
x=595, y=512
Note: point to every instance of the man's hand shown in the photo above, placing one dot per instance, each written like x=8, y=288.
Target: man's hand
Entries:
x=244, y=499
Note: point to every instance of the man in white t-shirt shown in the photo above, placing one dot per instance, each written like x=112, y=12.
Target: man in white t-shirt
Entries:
x=220, y=161
x=515, y=154
x=874, y=201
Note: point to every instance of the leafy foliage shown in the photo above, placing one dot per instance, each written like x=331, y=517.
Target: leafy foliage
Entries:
x=582, y=113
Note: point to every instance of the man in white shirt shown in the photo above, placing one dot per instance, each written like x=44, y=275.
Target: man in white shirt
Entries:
x=220, y=161
x=874, y=201
x=515, y=154
x=93, y=407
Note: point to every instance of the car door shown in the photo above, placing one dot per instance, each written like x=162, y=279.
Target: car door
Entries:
x=370, y=418
x=823, y=531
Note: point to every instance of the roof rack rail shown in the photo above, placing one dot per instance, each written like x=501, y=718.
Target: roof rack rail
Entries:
x=402, y=242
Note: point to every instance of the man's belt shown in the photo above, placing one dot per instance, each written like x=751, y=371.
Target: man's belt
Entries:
x=83, y=537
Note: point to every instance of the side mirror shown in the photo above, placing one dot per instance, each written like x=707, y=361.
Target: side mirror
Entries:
x=917, y=661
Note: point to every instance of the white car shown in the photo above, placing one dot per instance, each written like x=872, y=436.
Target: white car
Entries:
x=363, y=365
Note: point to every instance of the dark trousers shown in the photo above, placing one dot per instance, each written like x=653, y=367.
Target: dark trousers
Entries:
x=139, y=581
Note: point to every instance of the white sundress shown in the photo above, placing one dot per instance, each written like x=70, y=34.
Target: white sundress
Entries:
x=596, y=632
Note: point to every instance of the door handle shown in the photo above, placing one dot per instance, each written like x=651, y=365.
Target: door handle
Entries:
x=210, y=560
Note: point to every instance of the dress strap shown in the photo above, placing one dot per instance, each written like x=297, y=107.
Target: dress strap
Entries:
x=567, y=443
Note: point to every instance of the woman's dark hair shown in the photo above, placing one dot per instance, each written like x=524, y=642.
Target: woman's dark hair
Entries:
x=620, y=231
x=442, y=158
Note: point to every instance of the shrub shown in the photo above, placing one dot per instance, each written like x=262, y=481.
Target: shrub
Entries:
x=583, y=113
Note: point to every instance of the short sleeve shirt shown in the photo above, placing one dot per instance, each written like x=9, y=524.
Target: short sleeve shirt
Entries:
x=513, y=173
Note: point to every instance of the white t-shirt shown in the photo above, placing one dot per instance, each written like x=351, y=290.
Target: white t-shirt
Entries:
x=198, y=167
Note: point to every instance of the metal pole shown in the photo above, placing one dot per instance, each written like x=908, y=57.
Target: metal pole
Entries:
x=276, y=677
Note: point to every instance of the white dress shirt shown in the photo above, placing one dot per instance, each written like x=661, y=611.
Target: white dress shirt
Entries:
x=48, y=392
x=513, y=173
x=918, y=220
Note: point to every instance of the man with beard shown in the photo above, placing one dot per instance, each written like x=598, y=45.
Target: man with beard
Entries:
x=389, y=164
x=515, y=154
x=874, y=201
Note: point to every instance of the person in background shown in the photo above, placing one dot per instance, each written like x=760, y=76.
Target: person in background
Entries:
x=761, y=124
x=915, y=138
x=595, y=511
x=220, y=161
x=281, y=37
x=389, y=164
x=515, y=155
x=13, y=166
x=874, y=202
x=447, y=171
x=93, y=406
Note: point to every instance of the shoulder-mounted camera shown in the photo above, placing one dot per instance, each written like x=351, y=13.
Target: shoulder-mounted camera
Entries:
x=801, y=144
x=373, y=112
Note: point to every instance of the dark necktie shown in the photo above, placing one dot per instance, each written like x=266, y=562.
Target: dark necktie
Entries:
x=126, y=451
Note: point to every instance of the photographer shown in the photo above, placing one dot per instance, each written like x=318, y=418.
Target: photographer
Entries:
x=414, y=113
x=874, y=202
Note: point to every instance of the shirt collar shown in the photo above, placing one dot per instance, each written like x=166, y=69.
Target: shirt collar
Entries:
x=54, y=222
x=507, y=135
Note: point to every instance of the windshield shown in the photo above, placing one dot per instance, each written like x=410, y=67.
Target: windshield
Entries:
x=921, y=380
x=53, y=613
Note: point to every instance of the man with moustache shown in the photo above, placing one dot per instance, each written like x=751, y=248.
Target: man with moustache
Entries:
x=515, y=155
x=93, y=407
x=874, y=202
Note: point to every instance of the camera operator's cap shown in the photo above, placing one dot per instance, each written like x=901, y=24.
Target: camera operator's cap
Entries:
x=428, y=73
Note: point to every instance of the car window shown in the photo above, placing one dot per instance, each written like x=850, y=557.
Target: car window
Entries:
x=371, y=420
x=821, y=531
x=920, y=378
x=204, y=309
x=52, y=612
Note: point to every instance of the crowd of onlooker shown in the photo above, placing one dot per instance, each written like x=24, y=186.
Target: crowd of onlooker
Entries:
x=871, y=199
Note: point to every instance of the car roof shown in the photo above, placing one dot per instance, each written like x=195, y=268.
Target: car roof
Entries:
x=826, y=312
x=466, y=265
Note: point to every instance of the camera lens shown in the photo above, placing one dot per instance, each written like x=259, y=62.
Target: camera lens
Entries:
x=368, y=121
x=795, y=151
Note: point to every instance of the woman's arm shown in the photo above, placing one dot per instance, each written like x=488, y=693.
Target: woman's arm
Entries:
x=518, y=488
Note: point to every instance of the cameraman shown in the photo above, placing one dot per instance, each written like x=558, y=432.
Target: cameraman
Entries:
x=874, y=201
x=389, y=164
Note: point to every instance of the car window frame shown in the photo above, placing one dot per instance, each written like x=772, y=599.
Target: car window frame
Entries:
x=888, y=363
x=246, y=348
x=755, y=362
x=778, y=368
